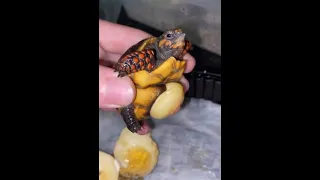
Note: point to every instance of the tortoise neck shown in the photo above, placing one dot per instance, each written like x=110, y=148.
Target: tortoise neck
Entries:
x=160, y=55
x=164, y=52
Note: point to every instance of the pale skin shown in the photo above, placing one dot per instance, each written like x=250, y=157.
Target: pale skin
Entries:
x=114, y=40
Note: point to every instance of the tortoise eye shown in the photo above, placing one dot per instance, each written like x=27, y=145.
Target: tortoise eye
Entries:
x=169, y=35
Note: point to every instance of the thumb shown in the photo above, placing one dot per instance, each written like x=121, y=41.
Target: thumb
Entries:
x=114, y=92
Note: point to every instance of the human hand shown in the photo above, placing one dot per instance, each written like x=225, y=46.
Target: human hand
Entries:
x=114, y=40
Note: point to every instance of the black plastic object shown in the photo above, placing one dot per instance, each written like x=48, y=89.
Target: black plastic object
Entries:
x=204, y=85
x=205, y=79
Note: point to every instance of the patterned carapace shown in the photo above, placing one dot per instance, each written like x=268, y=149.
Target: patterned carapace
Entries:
x=142, y=60
x=151, y=52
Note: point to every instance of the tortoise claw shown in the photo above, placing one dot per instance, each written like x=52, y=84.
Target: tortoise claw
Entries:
x=134, y=128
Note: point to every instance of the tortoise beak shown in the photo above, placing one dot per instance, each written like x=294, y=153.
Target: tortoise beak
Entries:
x=181, y=37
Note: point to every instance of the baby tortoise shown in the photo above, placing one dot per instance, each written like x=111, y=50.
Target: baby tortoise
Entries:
x=151, y=63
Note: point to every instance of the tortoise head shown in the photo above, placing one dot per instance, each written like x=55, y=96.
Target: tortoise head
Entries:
x=172, y=43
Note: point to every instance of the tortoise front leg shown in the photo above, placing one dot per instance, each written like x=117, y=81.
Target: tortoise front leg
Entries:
x=136, y=61
x=188, y=46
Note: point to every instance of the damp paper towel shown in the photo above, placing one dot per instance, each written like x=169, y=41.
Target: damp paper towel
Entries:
x=189, y=141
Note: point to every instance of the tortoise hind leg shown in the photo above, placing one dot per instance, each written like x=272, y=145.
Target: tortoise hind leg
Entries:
x=139, y=110
x=136, y=61
x=129, y=118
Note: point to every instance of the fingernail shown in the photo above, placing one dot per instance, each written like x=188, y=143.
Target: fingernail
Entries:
x=111, y=106
x=115, y=92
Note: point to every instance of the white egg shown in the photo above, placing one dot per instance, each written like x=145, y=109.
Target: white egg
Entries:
x=108, y=167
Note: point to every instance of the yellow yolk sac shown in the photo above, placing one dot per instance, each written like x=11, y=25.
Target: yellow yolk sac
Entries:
x=108, y=167
x=168, y=102
x=137, y=154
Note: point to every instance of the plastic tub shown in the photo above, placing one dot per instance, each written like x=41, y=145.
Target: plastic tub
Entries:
x=201, y=19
